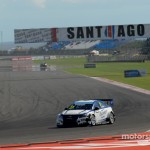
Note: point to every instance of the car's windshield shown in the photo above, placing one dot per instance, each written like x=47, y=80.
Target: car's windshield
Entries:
x=81, y=105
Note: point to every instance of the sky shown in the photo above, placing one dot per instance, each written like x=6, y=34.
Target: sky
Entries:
x=27, y=14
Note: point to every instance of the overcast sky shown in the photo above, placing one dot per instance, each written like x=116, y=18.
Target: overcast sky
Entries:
x=26, y=14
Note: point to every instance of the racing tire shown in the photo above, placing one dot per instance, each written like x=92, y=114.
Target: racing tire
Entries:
x=111, y=119
x=92, y=121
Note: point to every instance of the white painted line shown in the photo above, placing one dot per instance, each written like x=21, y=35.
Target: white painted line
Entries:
x=127, y=86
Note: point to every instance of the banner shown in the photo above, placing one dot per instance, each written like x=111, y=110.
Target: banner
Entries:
x=89, y=65
x=134, y=73
x=130, y=31
x=35, y=35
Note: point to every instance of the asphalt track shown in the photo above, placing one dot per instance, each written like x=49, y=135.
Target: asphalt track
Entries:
x=29, y=102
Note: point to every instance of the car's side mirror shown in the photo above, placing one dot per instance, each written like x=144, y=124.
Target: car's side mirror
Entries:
x=66, y=109
x=96, y=108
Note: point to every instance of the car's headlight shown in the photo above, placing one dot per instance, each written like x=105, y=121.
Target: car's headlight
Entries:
x=59, y=117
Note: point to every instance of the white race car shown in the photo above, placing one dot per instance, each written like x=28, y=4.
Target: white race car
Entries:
x=87, y=112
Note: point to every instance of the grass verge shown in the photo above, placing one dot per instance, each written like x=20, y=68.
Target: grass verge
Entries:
x=113, y=71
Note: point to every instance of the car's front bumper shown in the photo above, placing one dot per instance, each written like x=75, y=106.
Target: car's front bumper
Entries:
x=68, y=120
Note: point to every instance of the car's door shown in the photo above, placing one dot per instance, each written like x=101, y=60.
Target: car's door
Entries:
x=97, y=112
x=103, y=111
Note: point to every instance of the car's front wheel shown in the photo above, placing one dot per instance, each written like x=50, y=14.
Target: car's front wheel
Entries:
x=92, y=120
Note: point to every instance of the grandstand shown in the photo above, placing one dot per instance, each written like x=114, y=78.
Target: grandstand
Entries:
x=89, y=44
x=109, y=44
x=55, y=45
x=82, y=44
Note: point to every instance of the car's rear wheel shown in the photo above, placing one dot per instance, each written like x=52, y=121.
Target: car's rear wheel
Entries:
x=111, y=118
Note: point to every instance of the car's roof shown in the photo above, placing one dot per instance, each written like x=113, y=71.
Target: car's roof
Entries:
x=89, y=101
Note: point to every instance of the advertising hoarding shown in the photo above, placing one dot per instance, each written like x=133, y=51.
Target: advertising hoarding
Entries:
x=130, y=31
x=134, y=73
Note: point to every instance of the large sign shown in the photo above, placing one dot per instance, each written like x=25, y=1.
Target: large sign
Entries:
x=82, y=33
x=134, y=73
x=35, y=35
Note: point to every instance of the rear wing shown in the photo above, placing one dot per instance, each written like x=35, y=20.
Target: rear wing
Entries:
x=109, y=102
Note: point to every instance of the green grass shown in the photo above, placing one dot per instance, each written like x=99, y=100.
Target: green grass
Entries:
x=113, y=71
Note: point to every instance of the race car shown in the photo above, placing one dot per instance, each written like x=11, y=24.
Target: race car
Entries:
x=87, y=112
x=43, y=66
